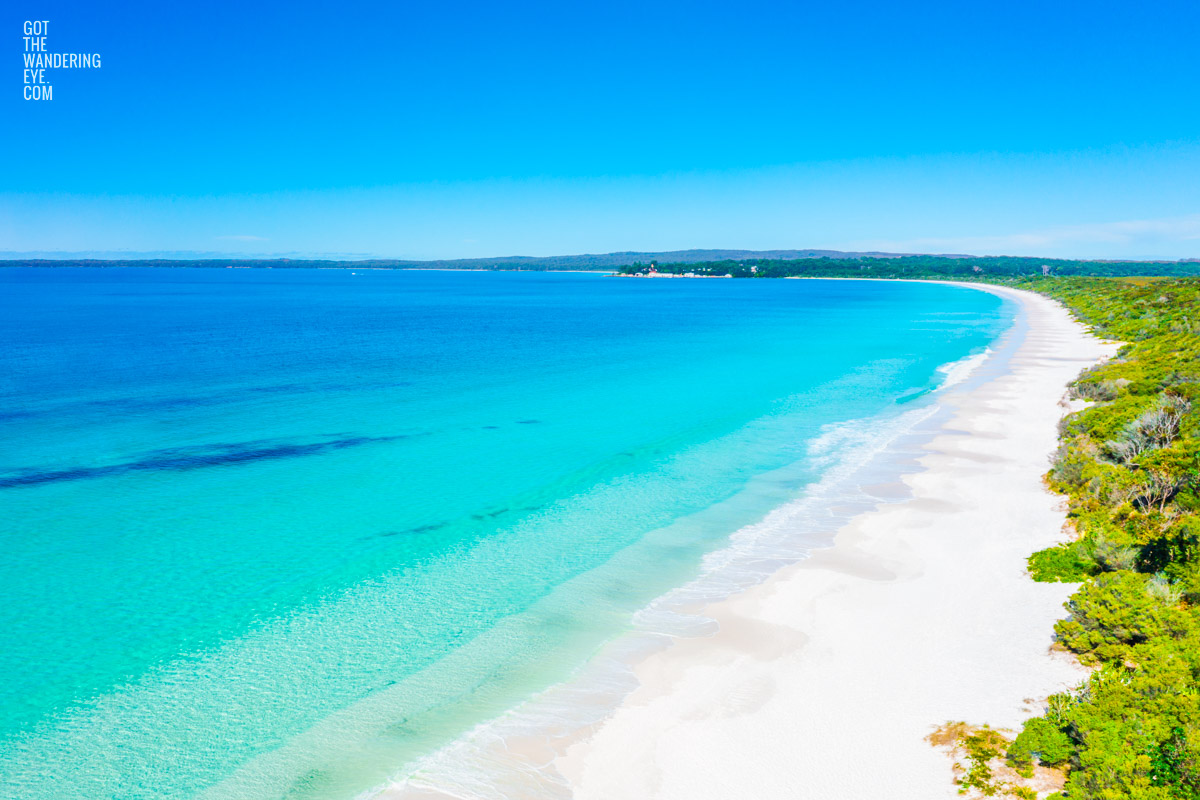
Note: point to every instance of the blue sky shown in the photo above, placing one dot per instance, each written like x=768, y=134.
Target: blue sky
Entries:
x=428, y=130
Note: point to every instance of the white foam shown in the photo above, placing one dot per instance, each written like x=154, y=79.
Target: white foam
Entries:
x=958, y=371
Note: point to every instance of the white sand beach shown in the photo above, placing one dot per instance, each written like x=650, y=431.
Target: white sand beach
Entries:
x=824, y=681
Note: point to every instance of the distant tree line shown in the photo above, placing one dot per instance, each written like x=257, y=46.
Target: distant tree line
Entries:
x=922, y=267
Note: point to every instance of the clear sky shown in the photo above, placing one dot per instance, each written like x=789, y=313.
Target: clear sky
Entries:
x=455, y=129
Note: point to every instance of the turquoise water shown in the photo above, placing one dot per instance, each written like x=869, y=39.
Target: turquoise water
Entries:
x=274, y=533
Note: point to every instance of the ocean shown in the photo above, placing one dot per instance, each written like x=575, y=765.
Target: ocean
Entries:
x=287, y=533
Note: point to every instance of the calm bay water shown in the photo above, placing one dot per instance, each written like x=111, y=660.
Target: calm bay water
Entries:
x=275, y=533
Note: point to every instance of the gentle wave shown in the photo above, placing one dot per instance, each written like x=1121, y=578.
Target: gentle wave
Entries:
x=958, y=371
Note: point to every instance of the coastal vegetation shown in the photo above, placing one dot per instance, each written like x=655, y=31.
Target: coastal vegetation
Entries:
x=1129, y=465
x=979, y=763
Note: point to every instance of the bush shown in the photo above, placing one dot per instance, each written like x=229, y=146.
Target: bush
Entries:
x=1040, y=739
x=1154, y=429
x=1114, y=612
x=1061, y=563
x=1173, y=551
x=1189, y=581
x=976, y=750
x=1160, y=588
x=1161, y=475
x=1096, y=391
x=1107, y=554
x=1067, y=467
x=1133, y=727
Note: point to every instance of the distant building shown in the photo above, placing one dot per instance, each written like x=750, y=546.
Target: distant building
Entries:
x=1045, y=269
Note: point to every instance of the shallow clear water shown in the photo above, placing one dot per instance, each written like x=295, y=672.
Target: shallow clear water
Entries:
x=273, y=533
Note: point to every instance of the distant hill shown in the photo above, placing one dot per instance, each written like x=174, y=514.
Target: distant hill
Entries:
x=589, y=261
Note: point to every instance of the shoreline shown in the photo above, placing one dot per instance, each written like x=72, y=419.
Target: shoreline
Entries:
x=513, y=755
x=826, y=678
x=599, y=722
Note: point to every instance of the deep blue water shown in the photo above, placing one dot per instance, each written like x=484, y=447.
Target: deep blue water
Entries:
x=275, y=533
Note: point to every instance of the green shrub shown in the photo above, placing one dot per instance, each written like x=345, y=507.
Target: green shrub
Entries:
x=1062, y=562
x=1107, y=554
x=1161, y=474
x=1154, y=429
x=1042, y=740
x=1068, y=468
x=1113, y=612
x=1091, y=385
